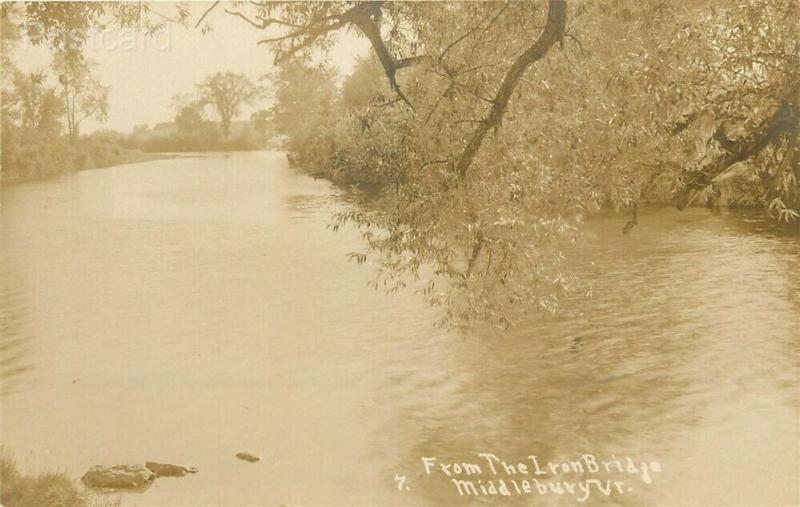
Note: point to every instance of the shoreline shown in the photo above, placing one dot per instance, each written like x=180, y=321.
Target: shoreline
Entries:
x=132, y=157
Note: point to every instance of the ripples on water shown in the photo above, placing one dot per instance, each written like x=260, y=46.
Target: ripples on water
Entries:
x=15, y=357
x=186, y=309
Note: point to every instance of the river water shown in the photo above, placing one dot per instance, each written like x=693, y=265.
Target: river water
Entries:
x=183, y=310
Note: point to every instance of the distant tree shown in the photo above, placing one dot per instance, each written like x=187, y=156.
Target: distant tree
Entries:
x=83, y=94
x=195, y=132
x=227, y=92
x=189, y=119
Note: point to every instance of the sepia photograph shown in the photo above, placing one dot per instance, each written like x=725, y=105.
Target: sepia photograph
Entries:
x=400, y=253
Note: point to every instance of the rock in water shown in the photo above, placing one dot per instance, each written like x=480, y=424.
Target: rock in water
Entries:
x=248, y=457
x=168, y=470
x=119, y=476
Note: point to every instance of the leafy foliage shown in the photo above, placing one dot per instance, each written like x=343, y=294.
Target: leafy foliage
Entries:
x=506, y=124
x=303, y=112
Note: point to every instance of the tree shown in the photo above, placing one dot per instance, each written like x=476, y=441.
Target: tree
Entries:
x=32, y=105
x=189, y=119
x=227, y=92
x=83, y=95
x=741, y=107
x=32, y=145
x=195, y=132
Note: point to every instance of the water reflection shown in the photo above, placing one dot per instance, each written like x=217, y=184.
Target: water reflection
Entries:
x=680, y=324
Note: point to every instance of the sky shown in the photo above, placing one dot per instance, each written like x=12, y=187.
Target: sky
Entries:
x=146, y=73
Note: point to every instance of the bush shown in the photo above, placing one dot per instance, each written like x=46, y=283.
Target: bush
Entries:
x=30, y=154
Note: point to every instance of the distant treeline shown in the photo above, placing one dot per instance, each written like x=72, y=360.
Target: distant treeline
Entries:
x=33, y=153
x=201, y=136
x=42, y=113
x=225, y=93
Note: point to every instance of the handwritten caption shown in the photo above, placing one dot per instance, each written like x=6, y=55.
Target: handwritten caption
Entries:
x=580, y=477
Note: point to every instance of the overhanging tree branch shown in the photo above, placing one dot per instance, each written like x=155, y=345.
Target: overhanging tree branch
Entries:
x=206, y=13
x=784, y=121
x=364, y=16
x=553, y=32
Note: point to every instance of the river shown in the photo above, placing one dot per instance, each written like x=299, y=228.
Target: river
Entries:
x=183, y=310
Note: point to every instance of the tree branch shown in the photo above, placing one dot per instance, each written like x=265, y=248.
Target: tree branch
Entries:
x=206, y=13
x=363, y=17
x=783, y=121
x=553, y=32
x=264, y=22
x=310, y=37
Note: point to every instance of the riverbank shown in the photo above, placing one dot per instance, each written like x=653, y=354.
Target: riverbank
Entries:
x=48, y=488
x=127, y=157
x=40, y=160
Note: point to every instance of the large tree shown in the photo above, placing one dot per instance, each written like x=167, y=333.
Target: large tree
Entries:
x=227, y=92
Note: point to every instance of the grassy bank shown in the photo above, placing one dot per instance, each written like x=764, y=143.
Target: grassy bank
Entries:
x=30, y=155
x=50, y=489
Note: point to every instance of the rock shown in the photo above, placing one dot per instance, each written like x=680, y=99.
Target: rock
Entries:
x=248, y=457
x=168, y=470
x=119, y=476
